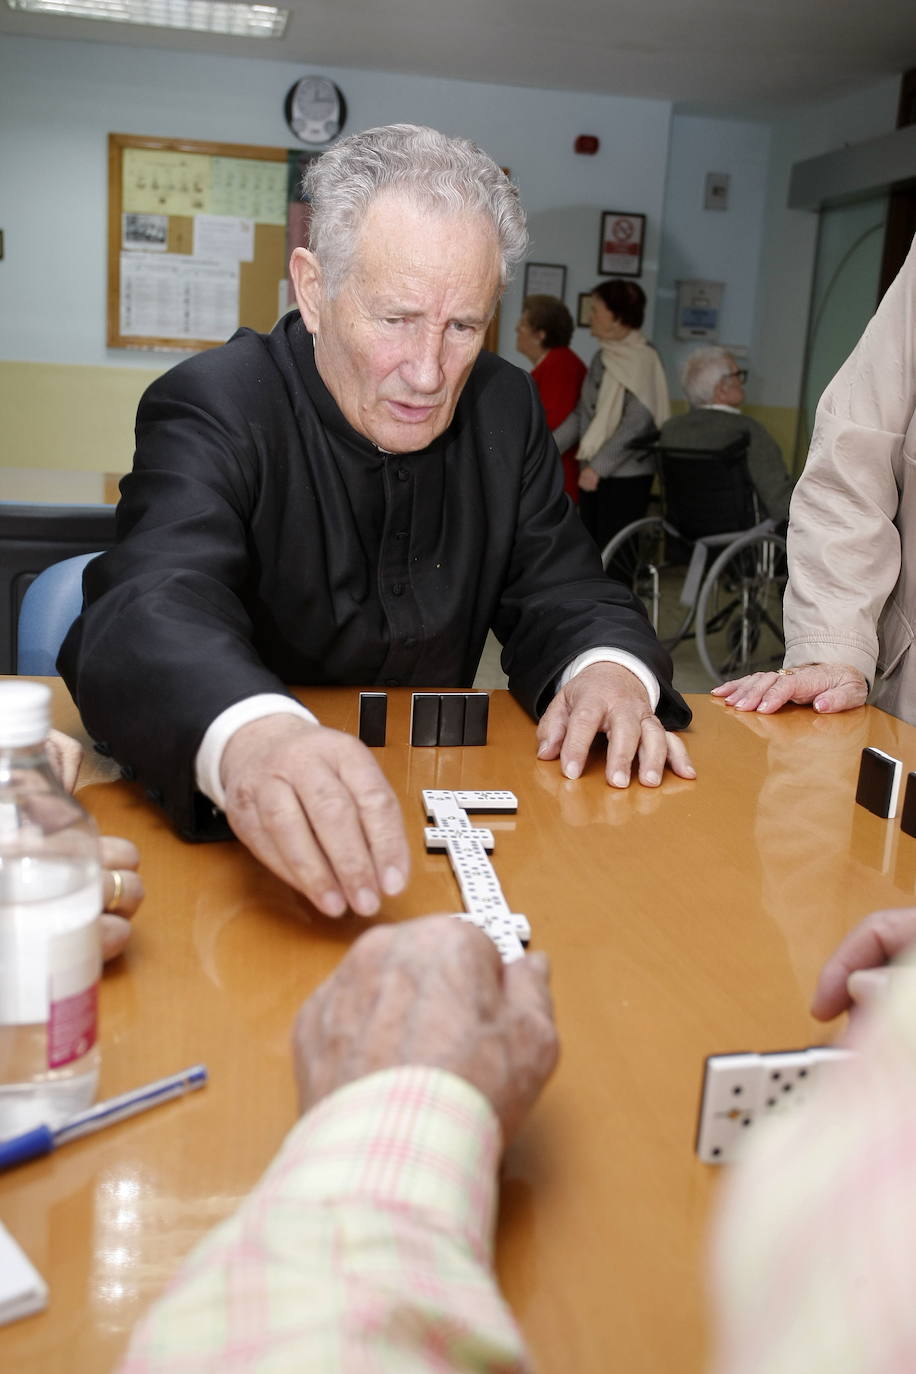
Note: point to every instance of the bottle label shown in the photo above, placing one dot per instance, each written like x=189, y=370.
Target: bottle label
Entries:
x=73, y=994
x=40, y=939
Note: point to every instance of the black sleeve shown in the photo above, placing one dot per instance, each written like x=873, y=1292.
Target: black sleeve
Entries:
x=558, y=601
x=165, y=642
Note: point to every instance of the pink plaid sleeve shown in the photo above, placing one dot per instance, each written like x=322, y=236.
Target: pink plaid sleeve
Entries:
x=366, y=1248
x=815, y=1250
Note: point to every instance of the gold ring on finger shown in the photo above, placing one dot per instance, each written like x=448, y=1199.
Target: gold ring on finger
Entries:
x=118, y=891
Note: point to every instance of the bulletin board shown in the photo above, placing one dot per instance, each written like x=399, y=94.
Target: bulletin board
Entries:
x=199, y=238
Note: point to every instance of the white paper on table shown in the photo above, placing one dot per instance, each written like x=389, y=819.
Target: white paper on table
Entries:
x=178, y=297
x=22, y=1289
x=224, y=238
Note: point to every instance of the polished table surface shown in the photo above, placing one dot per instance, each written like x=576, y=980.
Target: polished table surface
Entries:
x=680, y=922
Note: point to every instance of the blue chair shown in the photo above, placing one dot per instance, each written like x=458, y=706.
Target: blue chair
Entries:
x=51, y=604
x=32, y=537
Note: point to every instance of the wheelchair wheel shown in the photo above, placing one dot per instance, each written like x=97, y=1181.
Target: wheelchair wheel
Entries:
x=637, y=556
x=739, y=609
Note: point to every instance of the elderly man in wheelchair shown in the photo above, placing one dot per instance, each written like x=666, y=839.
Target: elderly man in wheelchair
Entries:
x=711, y=563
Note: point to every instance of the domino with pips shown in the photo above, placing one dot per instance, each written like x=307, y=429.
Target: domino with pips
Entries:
x=741, y=1089
x=467, y=846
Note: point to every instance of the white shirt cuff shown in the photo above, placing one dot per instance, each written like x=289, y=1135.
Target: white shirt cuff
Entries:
x=630, y=661
x=221, y=730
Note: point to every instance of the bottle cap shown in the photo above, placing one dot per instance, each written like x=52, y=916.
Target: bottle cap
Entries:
x=25, y=713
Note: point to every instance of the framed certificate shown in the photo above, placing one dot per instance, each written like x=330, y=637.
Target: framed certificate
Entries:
x=620, y=249
x=545, y=279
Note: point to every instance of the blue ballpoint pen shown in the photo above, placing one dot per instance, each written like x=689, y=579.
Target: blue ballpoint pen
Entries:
x=43, y=1139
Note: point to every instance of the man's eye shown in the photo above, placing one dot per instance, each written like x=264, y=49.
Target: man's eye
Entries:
x=460, y=328
x=394, y=319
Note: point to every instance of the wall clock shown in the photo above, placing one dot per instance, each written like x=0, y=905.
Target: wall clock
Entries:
x=315, y=110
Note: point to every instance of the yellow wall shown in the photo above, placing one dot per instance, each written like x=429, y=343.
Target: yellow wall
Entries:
x=59, y=416
x=781, y=421
x=82, y=418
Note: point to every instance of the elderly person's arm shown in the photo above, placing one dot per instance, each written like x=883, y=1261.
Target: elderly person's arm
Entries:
x=368, y=1244
x=844, y=541
x=815, y=1242
x=567, y=431
x=825, y=686
x=559, y=611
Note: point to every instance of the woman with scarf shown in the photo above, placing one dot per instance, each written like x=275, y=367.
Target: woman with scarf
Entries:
x=624, y=402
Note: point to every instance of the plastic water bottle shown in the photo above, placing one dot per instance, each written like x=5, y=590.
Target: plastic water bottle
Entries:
x=50, y=935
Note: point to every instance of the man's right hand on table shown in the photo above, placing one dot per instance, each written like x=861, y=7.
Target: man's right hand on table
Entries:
x=313, y=806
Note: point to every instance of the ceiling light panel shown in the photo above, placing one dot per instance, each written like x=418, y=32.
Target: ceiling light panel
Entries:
x=198, y=16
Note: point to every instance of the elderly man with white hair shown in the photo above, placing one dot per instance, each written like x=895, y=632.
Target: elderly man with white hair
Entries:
x=356, y=498
x=714, y=385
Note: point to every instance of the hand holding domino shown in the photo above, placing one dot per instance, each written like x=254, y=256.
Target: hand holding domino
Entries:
x=430, y=992
x=740, y=1090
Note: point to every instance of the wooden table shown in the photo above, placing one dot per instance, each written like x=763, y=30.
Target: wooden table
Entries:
x=680, y=922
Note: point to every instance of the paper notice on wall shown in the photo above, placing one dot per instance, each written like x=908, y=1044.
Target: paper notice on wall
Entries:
x=165, y=183
x=223, y=238
x=247, y=188
x=178, y=297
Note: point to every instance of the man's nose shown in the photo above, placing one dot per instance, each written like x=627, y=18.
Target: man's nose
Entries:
x=422, y=367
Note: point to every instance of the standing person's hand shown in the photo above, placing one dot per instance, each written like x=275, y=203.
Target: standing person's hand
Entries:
x=431, y=992
x=825, y=686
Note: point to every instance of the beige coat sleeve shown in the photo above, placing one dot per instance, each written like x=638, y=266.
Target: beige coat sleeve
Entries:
x=850, y=506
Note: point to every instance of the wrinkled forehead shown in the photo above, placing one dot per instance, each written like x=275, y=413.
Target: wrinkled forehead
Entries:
x=400, y=234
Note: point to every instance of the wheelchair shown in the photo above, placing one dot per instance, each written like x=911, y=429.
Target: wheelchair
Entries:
x=708, y=567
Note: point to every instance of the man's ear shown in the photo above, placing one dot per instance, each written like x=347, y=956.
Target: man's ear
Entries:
x=305, y=272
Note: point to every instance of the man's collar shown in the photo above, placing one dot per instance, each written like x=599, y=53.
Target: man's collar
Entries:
x=731, y=410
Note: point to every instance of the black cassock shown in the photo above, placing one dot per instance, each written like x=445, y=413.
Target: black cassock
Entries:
x=263, y=542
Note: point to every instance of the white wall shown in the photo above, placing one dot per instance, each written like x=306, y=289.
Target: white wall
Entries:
x=59, y=100
x=715, y=245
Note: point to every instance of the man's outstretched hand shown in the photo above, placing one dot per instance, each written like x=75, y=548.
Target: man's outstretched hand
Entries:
x=313, y=805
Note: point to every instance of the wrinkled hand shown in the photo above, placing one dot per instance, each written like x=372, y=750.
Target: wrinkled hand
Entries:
x=312, y=804
x=65, y=756
x=871, y=945
x=588, y=478
x=825, y=686
x=607, y=698
x=431, y=992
